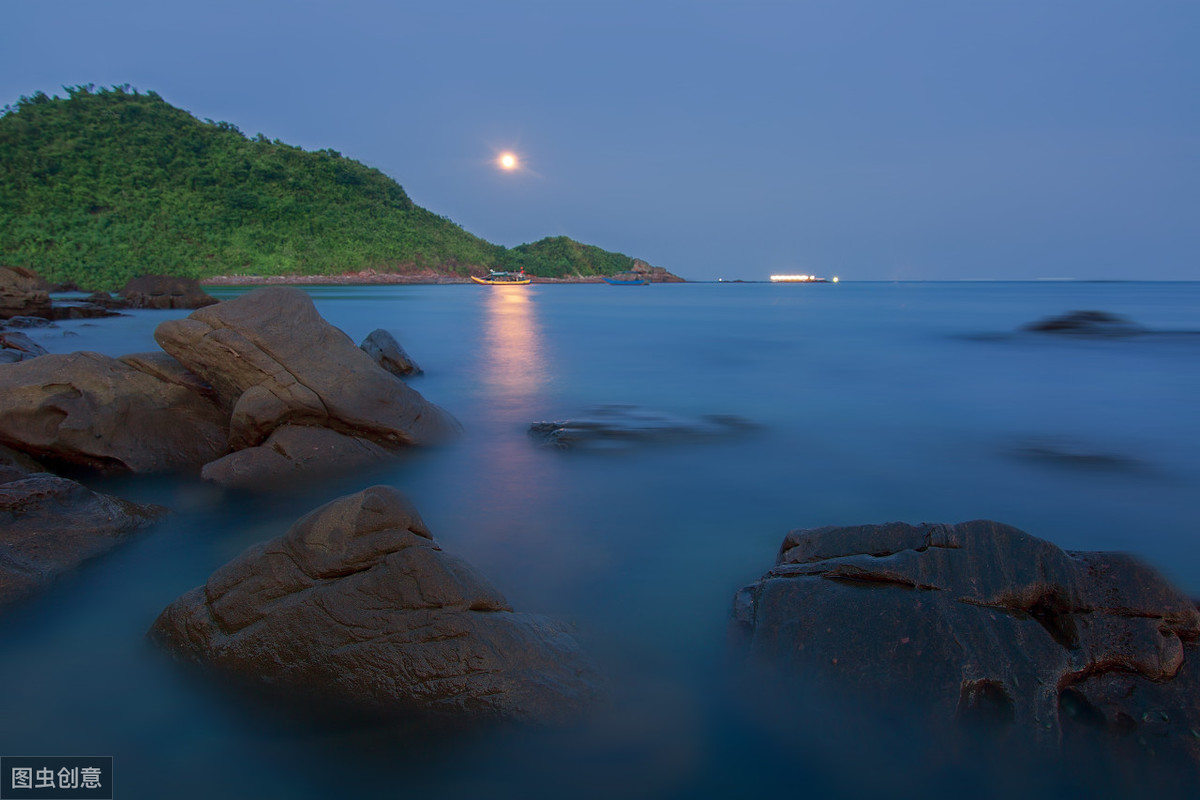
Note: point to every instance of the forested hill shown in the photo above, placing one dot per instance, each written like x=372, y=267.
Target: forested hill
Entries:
x=107, y=184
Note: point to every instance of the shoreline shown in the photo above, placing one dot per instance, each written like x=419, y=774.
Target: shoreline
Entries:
x=366, y=278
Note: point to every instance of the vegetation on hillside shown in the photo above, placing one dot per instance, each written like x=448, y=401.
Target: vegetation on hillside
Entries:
x=107, y=184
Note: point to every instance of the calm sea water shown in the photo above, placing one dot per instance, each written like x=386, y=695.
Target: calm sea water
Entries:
x=874, y=402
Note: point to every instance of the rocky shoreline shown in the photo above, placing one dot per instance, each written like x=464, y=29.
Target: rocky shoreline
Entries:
x=974, y=624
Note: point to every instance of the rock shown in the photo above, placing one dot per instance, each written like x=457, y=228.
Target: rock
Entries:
x=165, y=291
x=15, y=465
x=16, y=346
x=290, y=454
x=49, y=525
x=162, y=366
x=385, y=351
x=89, y=409
x=79, y=309
x=30, y=322
x=23, y=293
x=106, y=300
x=654, y=274
x=1087, y=323
x=357, y=605
x=618, y=426
x=273, y=360
x=978, y=622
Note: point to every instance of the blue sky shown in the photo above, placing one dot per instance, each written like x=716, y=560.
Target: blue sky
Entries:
x=872, y=139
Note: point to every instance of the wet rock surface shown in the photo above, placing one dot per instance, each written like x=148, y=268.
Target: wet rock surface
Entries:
x=273, y=360
x=50, y=525
x=96, y=411
x=356, y=604
x=981, y=623
x=611, y=427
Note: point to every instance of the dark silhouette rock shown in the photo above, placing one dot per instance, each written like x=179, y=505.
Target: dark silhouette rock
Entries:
x=164, y=292
x=619, y=426
x=293, y=453
x=49, y=525
x=1087, y=323
x=978, y=622
x=385, y=351
x=89, y=409
x=273, y=360
x=357, y=605
x=106, y=300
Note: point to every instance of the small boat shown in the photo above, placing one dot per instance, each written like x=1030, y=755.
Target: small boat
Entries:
x=495, y=278
x=633, y=279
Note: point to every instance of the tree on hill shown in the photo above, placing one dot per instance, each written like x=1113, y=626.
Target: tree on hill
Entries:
x=108, y=184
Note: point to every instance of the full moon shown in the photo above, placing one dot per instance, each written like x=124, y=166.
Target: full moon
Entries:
x=507, y=161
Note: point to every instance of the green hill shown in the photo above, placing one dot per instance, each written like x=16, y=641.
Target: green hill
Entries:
x=107, y=184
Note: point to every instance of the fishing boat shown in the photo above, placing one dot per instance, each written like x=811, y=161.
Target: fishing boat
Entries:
x=633, y=279
x=495, y=278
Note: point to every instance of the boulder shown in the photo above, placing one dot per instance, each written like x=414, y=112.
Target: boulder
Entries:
x=273, y=360
x=29, y=322
x=23, y=293
x=16, y=346
x=385, y=351
x=49, y=525
x=293, y=453
x=611, y=427
x=357, y=605
x=165, y=291
x=979, y=622
x=93, y=410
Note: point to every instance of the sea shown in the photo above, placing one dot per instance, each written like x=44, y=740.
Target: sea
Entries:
x=863, y=402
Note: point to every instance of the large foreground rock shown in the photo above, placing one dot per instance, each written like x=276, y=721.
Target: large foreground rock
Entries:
x=164, y=292
x=49, y=525
x=980, y=622
x=357, y=604
x=273, y=360
x=90, y=409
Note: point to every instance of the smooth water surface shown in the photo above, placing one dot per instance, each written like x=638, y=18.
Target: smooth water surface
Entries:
x=873, y=402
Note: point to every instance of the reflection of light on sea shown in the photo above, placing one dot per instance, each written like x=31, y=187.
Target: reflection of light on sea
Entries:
x=514, y=368
x=514, y=372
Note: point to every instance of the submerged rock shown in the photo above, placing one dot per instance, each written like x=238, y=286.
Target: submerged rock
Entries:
x=385, y=351
x=619, y=426
x=290, y=454
x=1087, y=323
x=164, y=292
x=93, y=410
x=49, y=525
x=979, y=622
x=357, y=605
x=273, y=360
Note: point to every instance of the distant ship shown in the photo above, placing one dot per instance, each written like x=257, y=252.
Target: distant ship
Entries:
x=800, y=279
